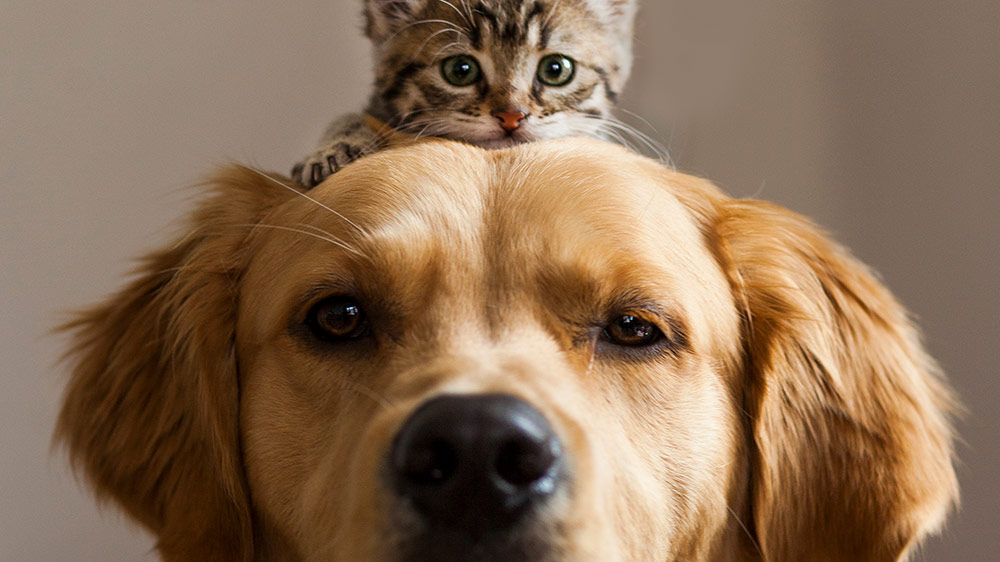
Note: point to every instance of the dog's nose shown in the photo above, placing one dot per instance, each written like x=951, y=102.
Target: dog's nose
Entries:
x=478, y=462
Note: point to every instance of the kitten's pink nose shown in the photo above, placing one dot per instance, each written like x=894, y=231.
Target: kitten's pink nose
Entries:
x=510, y=119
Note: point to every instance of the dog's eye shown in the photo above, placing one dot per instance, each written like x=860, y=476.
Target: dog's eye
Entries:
x=632, y=331
x=337, y=318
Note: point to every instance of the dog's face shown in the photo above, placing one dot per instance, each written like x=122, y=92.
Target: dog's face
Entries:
x=555, y=353
x=560, y=284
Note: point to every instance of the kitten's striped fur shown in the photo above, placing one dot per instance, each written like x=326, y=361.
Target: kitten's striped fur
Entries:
x=508, y=103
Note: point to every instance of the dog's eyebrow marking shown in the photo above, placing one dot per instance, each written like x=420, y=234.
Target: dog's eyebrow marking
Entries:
x=670, y=324
x=306, y=196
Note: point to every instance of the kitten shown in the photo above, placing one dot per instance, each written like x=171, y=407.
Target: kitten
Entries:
x=488, y=72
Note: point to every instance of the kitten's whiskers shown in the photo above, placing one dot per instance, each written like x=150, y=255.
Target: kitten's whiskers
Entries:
x=459, y=12
x=428, y=39
x=433, y=125
x=661, y=151
x=401, y=119
x=319, y=234
x=446, y=47
x=447, y=23
x=300, y=193
x=621, y=132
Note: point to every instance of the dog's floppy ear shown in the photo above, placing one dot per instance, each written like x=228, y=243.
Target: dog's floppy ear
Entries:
x=150, y=414
x=848, y=416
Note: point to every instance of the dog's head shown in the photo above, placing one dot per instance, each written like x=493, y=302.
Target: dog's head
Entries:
x=560, y=352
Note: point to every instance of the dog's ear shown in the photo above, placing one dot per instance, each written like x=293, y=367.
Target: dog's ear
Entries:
x=150, y=414
x=849, y=424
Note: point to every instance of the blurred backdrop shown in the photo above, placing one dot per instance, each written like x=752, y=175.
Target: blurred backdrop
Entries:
x=880, y=119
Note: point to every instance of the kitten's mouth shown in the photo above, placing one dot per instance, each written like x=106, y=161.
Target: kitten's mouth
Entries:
x=505, y=140
x=502, y=142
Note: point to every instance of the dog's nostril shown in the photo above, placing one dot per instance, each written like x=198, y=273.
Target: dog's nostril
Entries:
x=429, y=463
x=475, y=461
x=525, y=460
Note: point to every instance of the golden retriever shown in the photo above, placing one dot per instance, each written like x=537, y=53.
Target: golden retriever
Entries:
x=558, y=352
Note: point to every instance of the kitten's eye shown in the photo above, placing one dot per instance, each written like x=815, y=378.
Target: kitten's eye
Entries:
x=460, y=70
x=556, y=70
x=632, y=331
x=337, y=318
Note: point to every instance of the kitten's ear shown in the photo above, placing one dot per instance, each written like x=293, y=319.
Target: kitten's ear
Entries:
x=624, y=9
x=385, y=17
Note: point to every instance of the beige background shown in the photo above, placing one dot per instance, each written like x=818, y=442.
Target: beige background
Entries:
x=880, y=119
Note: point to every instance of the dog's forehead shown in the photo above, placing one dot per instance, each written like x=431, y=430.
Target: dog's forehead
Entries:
x=570, y=188
x=453, y=218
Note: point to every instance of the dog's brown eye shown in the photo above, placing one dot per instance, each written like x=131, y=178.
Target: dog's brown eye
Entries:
x=337, y=318
x=632, y=331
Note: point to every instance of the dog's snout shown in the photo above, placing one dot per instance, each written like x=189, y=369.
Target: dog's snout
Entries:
x=476, y=461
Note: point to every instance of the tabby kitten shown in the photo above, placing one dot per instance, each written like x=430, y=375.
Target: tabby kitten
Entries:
x=488, y=72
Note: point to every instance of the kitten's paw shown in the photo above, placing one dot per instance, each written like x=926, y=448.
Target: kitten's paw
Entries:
x=325, y=162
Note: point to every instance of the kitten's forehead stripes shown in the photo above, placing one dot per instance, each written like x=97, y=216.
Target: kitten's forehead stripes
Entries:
x=518, y=18
x=544, y=35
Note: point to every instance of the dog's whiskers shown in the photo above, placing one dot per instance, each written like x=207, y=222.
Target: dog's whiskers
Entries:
x=746, y=531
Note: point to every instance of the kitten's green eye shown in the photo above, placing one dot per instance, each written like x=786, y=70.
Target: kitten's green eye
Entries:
x=460, y=70
x=556, y=70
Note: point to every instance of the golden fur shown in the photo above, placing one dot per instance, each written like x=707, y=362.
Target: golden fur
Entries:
x=799, y=421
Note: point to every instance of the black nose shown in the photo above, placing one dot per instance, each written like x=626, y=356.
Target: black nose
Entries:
x=478, y=462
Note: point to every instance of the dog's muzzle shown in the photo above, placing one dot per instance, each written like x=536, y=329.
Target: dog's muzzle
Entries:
x=475, y=466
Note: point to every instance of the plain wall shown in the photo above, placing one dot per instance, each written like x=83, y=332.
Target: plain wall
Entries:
x=879, y=119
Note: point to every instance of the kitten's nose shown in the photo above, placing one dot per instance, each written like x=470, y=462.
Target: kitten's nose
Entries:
x=510, y=119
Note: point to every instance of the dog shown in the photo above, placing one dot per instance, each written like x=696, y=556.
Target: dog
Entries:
x=557, y=352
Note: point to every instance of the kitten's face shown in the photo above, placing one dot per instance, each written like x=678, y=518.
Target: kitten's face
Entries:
x=499, y=72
